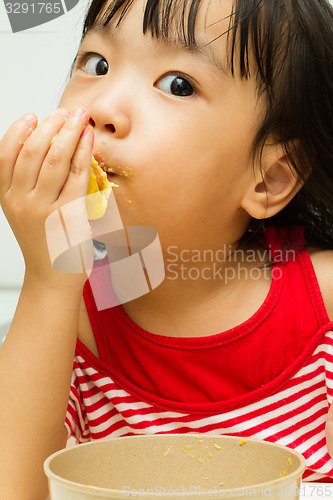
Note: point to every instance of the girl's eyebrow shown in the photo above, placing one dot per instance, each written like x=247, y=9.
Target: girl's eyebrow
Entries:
x=205, y=51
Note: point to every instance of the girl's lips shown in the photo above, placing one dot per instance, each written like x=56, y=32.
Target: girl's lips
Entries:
x=100, y=162
x=112, y=168
x=110, y=176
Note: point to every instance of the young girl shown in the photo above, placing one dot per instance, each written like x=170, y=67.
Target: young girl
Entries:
x=216, y=120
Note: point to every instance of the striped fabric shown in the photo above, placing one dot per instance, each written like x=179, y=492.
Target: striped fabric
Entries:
x=293, y=415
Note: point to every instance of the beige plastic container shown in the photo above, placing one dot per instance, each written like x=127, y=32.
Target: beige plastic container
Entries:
x=177, y=465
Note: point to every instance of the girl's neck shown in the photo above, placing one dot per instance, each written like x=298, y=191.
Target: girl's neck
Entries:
x=202, y=295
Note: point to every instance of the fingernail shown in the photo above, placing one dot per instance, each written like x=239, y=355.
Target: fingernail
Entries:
x=63, y=112
x=88, y=133
x=29, y=117
x=80, y=113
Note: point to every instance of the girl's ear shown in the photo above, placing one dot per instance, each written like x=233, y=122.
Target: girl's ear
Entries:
x=271, y=189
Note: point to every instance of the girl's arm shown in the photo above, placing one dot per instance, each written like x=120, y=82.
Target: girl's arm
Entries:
x=36, y=359
x=36, y=363
x=322, y=261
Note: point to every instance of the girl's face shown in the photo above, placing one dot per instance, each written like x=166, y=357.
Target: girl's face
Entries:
x=172, y=125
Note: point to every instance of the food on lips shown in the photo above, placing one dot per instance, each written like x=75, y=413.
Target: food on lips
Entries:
x=100, y=189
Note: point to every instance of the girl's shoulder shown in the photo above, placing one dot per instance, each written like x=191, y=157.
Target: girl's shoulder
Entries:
x=322, y=261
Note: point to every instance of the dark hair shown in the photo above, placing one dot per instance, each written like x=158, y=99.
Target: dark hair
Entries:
x=291, y=42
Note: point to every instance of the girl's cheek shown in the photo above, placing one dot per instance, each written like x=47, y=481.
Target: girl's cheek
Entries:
x=69, y=96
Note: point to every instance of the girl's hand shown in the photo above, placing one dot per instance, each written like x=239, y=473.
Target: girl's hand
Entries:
x=37, y=178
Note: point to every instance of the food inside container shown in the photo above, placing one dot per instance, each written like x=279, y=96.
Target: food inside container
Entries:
x=175, y=465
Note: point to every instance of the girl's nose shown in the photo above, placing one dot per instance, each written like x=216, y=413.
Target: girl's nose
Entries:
x=117, y=124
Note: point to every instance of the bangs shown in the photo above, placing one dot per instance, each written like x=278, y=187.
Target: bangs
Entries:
x=167, y=19
x=253, y=28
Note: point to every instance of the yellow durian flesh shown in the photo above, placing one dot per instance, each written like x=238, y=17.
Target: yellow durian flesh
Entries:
x=99, y=190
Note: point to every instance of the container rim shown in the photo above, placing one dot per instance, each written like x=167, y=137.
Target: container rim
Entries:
x=104, y=492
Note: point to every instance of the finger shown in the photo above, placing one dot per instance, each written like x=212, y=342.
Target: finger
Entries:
x=57, y=163
x=76, y=185
x=34, y=150
x=11, y=145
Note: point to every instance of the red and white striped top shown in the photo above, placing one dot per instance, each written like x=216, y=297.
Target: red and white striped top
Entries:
x=270, y=378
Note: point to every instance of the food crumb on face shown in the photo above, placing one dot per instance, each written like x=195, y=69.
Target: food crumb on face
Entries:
x=217, y=446
x=128, y=201
x=242, y=442
x=210, y=455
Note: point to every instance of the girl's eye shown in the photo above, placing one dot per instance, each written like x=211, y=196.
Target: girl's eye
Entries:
x=175, y=85
x=95, y=65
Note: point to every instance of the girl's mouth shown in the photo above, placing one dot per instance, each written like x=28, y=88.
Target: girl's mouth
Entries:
x=113, y=169
x=114, y=172
x=110, y=175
